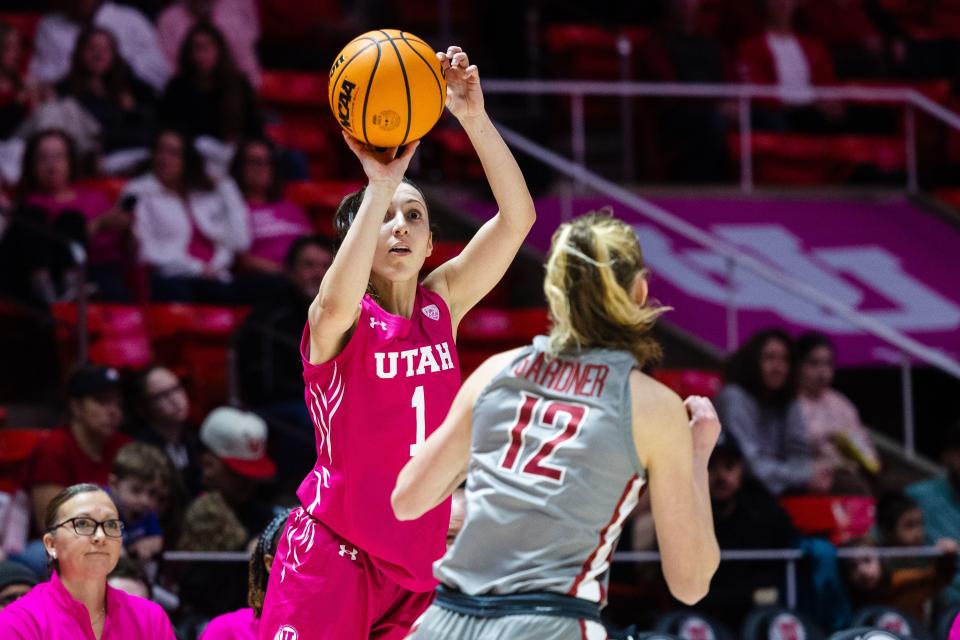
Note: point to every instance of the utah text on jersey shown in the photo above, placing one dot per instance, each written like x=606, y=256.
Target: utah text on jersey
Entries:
x=426, y=361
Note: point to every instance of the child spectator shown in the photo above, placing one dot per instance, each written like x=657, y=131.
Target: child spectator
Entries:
x=900, y=524
x=872, y=582
x=939, y=499
x=138, y=471
x=208, y=96
x=275, y=222
x=100, y=80
x=189, y=227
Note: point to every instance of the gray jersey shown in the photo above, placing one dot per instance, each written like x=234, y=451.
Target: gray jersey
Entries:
x=553, y=475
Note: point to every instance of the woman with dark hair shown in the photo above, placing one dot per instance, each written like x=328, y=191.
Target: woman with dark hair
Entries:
x=758, y=406
x=208, y=96
x=83, y=538
x=836, y=434
x=189, y=227
x=275, y=222
x=102, y=82
x=244, y=624
x=55, y=212
x=375, y=330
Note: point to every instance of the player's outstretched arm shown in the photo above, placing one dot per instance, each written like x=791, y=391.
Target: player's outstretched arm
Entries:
x=440, y=465
x=464, y=280
x=675, y=449
x=335, y=309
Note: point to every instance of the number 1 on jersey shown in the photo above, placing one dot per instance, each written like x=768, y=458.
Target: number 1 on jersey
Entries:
x=418, y=403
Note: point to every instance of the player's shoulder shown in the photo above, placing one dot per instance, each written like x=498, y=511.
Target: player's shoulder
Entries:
x=652, y=399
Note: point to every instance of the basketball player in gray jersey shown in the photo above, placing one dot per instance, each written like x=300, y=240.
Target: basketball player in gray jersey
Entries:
x=556, y=441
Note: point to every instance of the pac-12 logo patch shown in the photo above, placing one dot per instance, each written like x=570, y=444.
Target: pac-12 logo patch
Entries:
x=431, y=311
x=286, y=632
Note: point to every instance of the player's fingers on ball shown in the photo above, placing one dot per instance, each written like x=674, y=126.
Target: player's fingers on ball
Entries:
x=472, y=71
x=460, y=60
x=452, y=49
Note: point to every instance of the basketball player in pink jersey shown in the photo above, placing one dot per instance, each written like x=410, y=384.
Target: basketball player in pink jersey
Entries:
x=381, y=370
x=556, y=441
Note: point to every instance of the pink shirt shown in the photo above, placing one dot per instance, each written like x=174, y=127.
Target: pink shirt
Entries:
x=49, y=612
x=236, y=625
x=273, y=227
x=107, y=246
x=955, y=629
x=832, y=416
x=389, y=389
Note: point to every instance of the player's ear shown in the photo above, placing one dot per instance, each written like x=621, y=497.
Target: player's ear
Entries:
x=267, y=561
x=639, y=289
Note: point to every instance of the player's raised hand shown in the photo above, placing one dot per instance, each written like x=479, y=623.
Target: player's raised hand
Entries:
x=464, y=96
x=704, y=426
x=382, y=167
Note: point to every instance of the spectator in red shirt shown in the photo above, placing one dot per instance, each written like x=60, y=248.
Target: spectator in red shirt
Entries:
x=83, y=450
x=795, y=63
x=844, y=26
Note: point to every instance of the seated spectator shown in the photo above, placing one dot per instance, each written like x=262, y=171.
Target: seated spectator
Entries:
x=275, y=222
x=138, y=472
x=100, y=80
x=189, y=227
x=129, y=576
x=244, y=624
x=745, y=516
x=795, y=63
x=57, y=34
x=238, y=20
x=758, y=408
x=161, y=408
x=83, y=540
x=833, y=424
x=56, y=212
x=939, y=499
x=82, y=451
x=268, y=358
x=208, y=96
x=871, y=581
x=16, y=580
x=235, y=463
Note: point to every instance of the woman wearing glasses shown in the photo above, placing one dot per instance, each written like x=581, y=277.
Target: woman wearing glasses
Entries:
x=83, y=539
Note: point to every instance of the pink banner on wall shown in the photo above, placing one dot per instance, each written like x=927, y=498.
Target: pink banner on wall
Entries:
x=887, y=259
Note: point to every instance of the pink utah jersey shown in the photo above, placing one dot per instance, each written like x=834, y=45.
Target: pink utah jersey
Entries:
x=389, y=388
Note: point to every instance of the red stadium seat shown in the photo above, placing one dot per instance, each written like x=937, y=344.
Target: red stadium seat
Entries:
x=484, y=326
x=293, y=88
x=109, y=187
x=690, y=382
x=840, y=518
x=117, y=334
x=320, y=199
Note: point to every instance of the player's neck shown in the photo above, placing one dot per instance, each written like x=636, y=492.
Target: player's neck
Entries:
x=395, y=297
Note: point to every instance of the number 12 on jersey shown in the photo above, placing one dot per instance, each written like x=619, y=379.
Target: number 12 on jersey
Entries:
x=419, y=405
x=545, y=413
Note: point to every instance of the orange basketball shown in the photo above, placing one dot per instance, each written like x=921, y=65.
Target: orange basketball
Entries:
x=386, y=88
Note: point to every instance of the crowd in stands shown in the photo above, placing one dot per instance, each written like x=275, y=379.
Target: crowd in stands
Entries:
x=137, y=166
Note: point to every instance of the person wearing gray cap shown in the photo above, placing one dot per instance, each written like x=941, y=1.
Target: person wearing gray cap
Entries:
x=15, y=581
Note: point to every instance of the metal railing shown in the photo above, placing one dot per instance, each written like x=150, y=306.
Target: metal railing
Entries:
x=735, y=258
x=790, y=558
x=745, y=94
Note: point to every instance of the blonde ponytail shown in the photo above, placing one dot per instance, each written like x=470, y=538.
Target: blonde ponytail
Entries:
x=590, y=270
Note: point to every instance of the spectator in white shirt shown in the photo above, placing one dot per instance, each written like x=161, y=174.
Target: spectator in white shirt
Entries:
x=189, y=227
x=136, y=37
